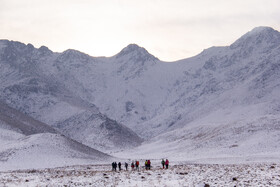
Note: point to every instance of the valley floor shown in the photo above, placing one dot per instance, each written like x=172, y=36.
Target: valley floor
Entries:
x=177, y=175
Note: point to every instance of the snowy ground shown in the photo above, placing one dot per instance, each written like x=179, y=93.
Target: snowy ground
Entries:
x=177, y=175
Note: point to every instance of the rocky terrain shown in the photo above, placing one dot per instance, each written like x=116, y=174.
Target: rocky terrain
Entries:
x=198, y=175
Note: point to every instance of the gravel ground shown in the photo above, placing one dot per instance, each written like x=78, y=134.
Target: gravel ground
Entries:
x=177, y=175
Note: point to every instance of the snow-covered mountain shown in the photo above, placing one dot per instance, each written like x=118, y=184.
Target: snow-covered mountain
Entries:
x=29, y=143
x=40, y=83
x=226, y=96
x=225, y=104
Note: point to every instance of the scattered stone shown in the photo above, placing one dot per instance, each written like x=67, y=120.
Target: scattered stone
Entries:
x=232, y=146
x=32, y=171
x=183, y=173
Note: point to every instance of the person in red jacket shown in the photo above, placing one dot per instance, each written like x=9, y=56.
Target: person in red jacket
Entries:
x=166, y=163
x=137, y=165
x=149, y=164
x=132, y=166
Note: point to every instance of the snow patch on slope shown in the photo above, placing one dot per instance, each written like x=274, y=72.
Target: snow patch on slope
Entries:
x=40, y=151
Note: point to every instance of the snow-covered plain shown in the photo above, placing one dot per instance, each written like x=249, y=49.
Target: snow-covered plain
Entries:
x=189, y=175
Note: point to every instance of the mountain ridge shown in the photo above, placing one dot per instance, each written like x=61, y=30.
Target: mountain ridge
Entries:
x=38, y=89
x=130, y=48
x=156, y=99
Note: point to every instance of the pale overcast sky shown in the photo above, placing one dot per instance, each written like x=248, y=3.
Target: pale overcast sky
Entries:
x=168, y=29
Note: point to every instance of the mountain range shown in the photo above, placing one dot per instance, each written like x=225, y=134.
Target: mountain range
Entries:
x=224, y=102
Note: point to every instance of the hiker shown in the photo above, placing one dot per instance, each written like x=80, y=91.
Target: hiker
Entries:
x=163, y=163
x=120, y=166
x=149, y=164
x=132, y=165
x=113, y=166
x=146, y=164
x=137, y=165
x=166, y=163
x=126, y=165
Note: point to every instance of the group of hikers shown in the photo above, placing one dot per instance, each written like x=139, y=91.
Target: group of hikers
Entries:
x=115, y=165
x=165, y=163
x=136, y=166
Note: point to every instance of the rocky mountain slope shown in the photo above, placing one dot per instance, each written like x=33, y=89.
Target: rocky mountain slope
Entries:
x=228, y=106
x=35, y=82
x=226, y=96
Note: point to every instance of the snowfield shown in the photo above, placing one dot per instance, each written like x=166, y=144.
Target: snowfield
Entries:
x=197, y=175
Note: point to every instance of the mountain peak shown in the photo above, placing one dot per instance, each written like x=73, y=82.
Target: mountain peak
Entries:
x=45, y=50
x=261, y=29
x=133, y=47
x=257, y=36
x=73, y=55
x=136, y=52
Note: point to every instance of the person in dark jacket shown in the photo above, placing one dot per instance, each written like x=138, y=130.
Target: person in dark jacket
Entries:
x=126, y=165
x=163, y=163
x=114, y=166
x=120, y=166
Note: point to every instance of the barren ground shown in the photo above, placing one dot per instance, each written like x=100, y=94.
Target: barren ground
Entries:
x=177, y=175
